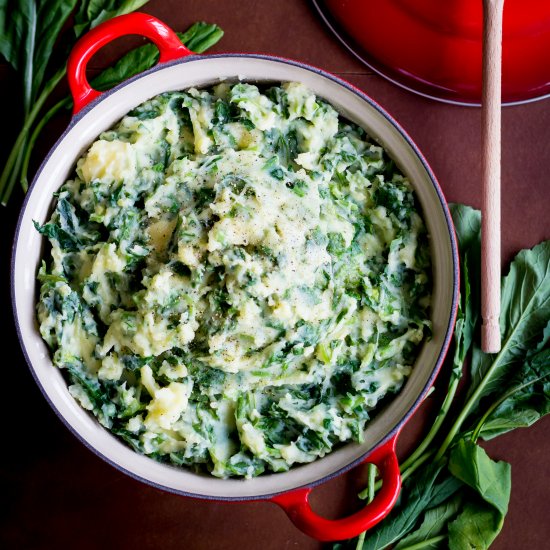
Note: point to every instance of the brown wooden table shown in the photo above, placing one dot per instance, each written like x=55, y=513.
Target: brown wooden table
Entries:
x=60, y=495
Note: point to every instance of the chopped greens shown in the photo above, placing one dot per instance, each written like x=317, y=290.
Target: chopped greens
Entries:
x=238, y=277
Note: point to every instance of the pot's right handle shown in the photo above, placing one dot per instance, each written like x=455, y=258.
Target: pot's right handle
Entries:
x=296, y=505
x=161, y=35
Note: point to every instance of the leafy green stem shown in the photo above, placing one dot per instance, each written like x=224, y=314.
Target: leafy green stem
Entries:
x=36, y=132
x=453, y=385
x=428, y=543
x=475, y=434
x=15, y=158
x=416, y=464
x=405, y=473
x=365, y=494
x=201, y=36
x=372, y=472
x=470, y=404
x=371, y=492
x=28, y=71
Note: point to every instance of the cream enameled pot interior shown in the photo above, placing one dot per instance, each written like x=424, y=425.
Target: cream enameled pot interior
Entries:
x=102, y=115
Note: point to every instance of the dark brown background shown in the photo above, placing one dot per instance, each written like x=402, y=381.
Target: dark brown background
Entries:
x=60, y=495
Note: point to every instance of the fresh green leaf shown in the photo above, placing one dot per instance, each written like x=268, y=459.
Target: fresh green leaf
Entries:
x=475, y=528
x=29, y=20
x=16, y=18
x=52, y=16
x=527, y=401
x=466, y=321
x=508, y=420
x=134, y=62
x=18, y=41
x=544, y=341
x=491, y=480
x=467, y=223
x=427, y=490
x=93, y=12
x=201, y=36
x=28, y=32
x=526, y=299
x=525, y=311
x=434, y=524
x=482, y=518
x=6, y=41
x=17, y=45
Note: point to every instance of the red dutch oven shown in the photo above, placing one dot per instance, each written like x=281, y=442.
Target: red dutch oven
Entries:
x=433, y=47
x=179, y=69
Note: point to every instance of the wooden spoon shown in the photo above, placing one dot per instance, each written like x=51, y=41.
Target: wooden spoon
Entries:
x=490, y=173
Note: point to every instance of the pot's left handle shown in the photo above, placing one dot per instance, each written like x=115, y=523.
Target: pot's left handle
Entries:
x=296, y=504
x=161, y=35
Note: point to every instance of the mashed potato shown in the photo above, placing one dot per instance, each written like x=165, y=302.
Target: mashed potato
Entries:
x=237, y=277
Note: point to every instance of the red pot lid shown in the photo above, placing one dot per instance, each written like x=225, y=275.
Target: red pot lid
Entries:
x=433, y=47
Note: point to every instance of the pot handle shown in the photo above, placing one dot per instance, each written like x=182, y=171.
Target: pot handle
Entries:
x=296, y=505
x=161, y=35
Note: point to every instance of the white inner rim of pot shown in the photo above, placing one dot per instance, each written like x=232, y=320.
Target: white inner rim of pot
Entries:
x=201, y=72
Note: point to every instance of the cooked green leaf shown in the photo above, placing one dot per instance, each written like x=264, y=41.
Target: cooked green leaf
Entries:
x=66, y=228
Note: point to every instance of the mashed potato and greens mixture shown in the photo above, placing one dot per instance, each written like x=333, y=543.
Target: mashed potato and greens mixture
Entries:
x=237, y=278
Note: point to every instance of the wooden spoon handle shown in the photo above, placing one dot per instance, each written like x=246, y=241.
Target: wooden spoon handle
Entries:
x=490, y=170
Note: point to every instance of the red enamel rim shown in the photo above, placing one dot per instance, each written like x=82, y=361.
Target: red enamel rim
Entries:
x=166, y=40
x=296, y=503
x=433, y=47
